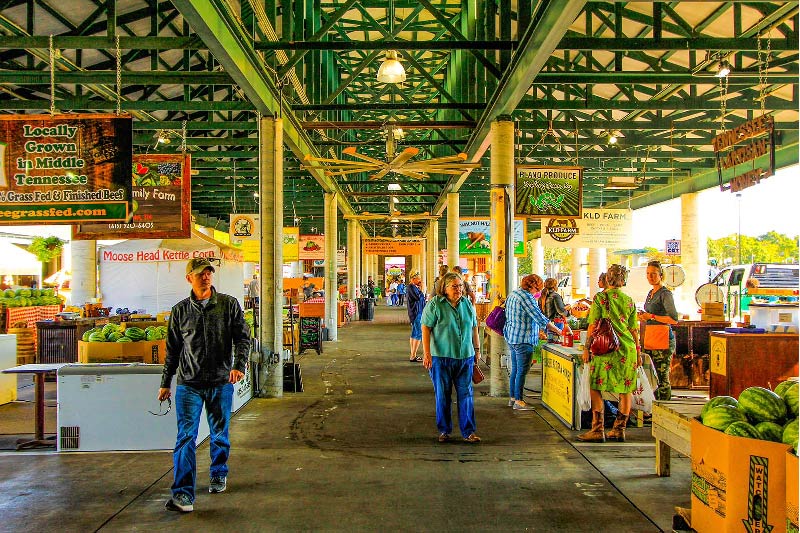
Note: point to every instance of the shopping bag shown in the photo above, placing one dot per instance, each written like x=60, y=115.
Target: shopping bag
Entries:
x=477, y=374
x=642, y=397
x=656, y=337
x=496, y=319
x=583, y=395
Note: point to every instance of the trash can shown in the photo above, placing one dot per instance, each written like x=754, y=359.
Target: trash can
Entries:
x=366, y=309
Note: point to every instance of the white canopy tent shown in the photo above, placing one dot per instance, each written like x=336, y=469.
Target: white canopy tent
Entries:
x=151, y=274
x=14, y=261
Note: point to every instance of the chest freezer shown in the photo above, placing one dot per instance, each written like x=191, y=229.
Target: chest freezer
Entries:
x=105, y=407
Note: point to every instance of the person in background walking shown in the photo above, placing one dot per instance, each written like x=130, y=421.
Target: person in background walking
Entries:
x=416, y=304
x=254, y=291
x=450, y=349
x=401, y=292
x=443, y=270
x=659, y=308
x=203, y=330
x=523, y=321
x=615, y=371
x=370, y=288
x=395, y=300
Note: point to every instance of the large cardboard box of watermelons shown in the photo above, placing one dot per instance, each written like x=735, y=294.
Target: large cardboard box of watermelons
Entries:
x=792, y=508
x=151, y=352
x=738, y=484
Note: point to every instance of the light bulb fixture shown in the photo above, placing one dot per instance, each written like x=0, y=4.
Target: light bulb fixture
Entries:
x=162, y=138
x=391, y=70
x=612, y=138
x=255, y=195
x=724, y=69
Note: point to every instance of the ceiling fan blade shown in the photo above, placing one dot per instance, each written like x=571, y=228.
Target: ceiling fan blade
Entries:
x=402, y=157
x=412, y=174
x=447, y=159
x=344, y=172
x=378, y=175
x=351, y=151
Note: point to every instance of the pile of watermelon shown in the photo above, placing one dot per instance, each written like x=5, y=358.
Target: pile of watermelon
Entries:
x=759, y=413
x=113, y=333
x=28, y=297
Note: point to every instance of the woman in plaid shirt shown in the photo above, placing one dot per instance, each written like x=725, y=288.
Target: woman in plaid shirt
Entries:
x=524, y=319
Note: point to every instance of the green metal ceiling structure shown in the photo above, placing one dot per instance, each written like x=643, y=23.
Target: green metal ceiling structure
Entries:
x=568, y=73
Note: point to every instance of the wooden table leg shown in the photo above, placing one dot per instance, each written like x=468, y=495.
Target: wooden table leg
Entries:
x=38, y=437
x=662, y=459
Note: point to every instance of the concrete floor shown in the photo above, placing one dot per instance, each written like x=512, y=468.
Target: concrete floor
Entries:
x=356, y=451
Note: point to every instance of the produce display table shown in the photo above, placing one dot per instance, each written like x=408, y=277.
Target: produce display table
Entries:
x=30, y=315
x=741, y=360
x=672, y=429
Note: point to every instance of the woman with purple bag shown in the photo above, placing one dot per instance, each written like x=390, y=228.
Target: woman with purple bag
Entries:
x=524, y=319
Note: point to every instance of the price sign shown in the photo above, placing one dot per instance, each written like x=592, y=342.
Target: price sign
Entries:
x=673, y=247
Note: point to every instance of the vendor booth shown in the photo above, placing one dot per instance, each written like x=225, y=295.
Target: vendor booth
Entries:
x=151, y=274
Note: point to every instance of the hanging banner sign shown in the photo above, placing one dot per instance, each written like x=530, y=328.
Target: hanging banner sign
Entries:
x=341, y=258
x=752, y=141
x=312, y=247
x=474, y=236
x=65, y=169
x=291, y=241
x=548, y=192
x=245, y=227
x=161, y=206
x=597, y=228
x=393, y=248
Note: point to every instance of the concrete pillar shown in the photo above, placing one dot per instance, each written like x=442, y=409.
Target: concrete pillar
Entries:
x=597, y=265
x=694, y=253
x=537, y=257
x=433, y=253
x=578, y=272
x=84, y=272
x=271, y=213
x=331, y=288
x=502, y=239
x=352, y=272
x=452, y=229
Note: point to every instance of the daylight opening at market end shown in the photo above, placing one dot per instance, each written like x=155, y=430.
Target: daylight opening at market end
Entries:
x=597, y=200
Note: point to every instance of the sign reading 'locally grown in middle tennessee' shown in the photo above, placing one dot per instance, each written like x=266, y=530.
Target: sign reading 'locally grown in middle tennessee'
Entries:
x=552, y=192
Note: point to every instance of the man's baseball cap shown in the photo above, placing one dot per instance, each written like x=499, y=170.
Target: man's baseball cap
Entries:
x=197, y=265
x=414, y=275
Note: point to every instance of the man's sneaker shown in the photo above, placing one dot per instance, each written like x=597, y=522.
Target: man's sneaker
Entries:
x=180, y=502
x=218, y=484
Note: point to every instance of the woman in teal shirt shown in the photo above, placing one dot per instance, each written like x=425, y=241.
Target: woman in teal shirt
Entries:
x=450, y=350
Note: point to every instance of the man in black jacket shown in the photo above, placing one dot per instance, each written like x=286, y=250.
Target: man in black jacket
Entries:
x=203, y=330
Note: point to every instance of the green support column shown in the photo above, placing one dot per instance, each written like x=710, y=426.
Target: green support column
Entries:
x=331, y=287
x=501, y=207
x=271, y=213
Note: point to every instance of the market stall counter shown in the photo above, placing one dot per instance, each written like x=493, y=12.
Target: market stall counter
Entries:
x=742, y=360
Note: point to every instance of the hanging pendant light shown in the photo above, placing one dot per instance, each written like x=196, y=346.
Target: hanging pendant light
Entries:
x=391, y=70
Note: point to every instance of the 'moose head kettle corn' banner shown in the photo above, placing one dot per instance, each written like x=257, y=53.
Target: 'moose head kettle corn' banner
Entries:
x=65, y=169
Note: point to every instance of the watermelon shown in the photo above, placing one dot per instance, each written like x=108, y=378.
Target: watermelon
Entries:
x=153, y=334
x=770, y=431
x=10, y=293
x=789, y=393
x=85, y=336
x=25, y=293
x=760, y=405
x=134, y=333
x=722, y=416
x=97, y=336
x=114, y=336
x=123, y=338
x=718, y=400
x=790, y=434
x=743, y=429
x=108, y=329
x=783, y=385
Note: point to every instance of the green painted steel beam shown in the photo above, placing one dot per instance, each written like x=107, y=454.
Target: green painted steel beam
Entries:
x=74, y=104
x=219, y=28
x=109, y=77
x=72, y=42
x=627, y=44
x=177, y=125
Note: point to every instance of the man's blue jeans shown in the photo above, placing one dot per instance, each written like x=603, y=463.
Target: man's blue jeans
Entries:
x=188, y=406
x=521, y=358
x=446, y=373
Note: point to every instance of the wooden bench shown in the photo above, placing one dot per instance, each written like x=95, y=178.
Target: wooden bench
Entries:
x=672, y=429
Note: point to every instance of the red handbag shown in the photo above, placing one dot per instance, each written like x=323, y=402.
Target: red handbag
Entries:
x=477, y=374
x=604, y=339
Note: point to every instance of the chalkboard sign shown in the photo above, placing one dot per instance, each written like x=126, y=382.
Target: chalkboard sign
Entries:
x=310, y=334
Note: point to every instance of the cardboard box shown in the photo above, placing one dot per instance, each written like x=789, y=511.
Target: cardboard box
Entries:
x=792, y=466
x=738, y=484
x=151, y=352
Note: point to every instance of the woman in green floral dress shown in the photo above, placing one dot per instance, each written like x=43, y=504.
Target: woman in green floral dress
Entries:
x=615, y=371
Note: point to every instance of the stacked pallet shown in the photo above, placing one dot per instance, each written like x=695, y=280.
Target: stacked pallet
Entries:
x=26, y=342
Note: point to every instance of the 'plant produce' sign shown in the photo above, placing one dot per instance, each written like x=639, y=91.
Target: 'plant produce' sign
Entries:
x=548, y=192
x=161, y=203
x=312, y=247
x=64, y=169
x=474, y=236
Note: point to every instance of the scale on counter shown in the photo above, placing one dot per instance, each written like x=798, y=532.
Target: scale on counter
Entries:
x=68, y=315
x=674, y=276
x=708, y=293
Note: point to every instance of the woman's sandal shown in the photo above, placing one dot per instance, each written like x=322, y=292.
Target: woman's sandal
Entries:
x=472, y=439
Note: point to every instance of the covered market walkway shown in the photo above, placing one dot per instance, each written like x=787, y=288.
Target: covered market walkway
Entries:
x=357, y=451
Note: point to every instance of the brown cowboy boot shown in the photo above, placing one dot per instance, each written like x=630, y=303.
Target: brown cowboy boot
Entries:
x=617, y=432
x=595, y=434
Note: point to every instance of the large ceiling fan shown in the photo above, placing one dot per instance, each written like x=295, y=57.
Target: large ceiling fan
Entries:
x=401, y=164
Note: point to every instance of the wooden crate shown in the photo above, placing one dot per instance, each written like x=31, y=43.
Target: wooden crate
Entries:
x=672, y=429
